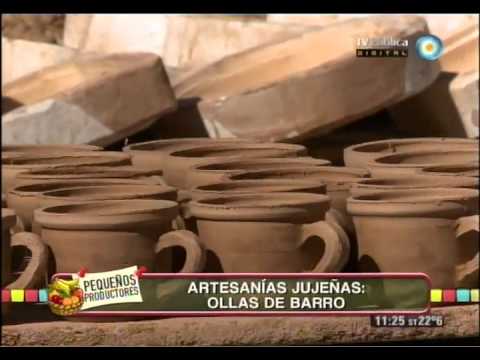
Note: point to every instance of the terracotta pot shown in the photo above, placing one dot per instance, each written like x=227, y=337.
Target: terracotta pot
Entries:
x=49, y=148
x=269, y=233
x=338, y=180
x=361, y=154
x=416, y=231
x=178, y=163
x=374, y=185
x=74, y=173
x=214, y=172
x=11, y=167
x=152, y=153
x=408, y=163
x=26, y=198
x=451, y=170
x=113, y=234
x=35, y=270
x=257, y=186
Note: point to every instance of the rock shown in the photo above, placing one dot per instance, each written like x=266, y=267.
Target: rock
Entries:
x=75, y=30
x=181, y=40
x=22, y=57
x=309, y=84
x=34, y=27
x=459, y=321
x=464, y=90
x=461, y=50
x=93, y=99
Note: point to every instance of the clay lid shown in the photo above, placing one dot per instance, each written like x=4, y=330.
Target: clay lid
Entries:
x=417, y=159
x=239, y=150
x=452, y=170
x=32, y=161
x=396, y=145
x=89, y=172
x=37, y=188
x=283, y=207
x=258, y=186
x=107, y=214
x=416, y=181
x=49, y=148
x=258, y=164
x=164, y=144
x=9, y=218
x=334, y=176
x=112, y=192
x=445, y=202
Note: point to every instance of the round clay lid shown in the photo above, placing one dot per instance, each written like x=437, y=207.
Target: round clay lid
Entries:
x=417, y=181
x=448, y=202
x=106, y=214
x=282, y=207
x=412, y=159
x=259, y=164
x=259, y=186
x=111, y=192
x=49, y=148
x=471, y=170
x=164, y=144
x=238, y=150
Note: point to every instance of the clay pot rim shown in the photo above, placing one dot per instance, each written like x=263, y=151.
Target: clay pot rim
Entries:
x=173, y=142
x=134, y=213
x=415, y=182
x=87, y=172
x=302, y=161
x=111, y=192
x=34, y=148
x=9, y=218
x=444, y=201
x=255, y=186
x=310, y=170
x=97, y=157
x=359, y=148
x=442, y=170
x=379, y=161
x=290, y=207
x=37, y=188
x=187, y=153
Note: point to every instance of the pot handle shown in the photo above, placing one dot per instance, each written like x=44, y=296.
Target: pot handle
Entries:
x=464, y=225
x=337, y=245
x=37, y=267
x=195, y=254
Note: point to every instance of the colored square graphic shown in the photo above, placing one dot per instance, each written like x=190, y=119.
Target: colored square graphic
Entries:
x=18, y=295
x=474, y=295
x=436, y=295
x=449, y=296
x=463, y=295
x=31, y=296
x=6, y=296
x=43, y=295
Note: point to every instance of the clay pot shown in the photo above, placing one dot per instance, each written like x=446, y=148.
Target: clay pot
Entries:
x=257, y=186
x=153, y=153
x=214, y=172
x=36, y=269
x=26, y=198
x=178, y=163
x=416, y=231
x=114, y=234
x=374, y=185
x=269, y=233
x=49, y=148
x=74, y=173
x=11, y=167
x=451, y=170
x=338, y=180
x=361, y=154
x=408, y=163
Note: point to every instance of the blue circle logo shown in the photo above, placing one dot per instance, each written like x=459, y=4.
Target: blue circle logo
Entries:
x=429, y=47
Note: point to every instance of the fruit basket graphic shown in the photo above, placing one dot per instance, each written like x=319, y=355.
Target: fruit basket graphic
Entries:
x=65, y=297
